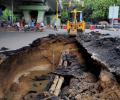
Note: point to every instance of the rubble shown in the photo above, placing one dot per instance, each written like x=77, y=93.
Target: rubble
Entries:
x=103, y=48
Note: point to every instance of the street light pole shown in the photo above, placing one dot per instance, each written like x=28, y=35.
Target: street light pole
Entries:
x=57, y=5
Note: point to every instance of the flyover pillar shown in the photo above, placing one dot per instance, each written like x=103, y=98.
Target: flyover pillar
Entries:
x=40, y=8
x=27, y=16
x=40, y=16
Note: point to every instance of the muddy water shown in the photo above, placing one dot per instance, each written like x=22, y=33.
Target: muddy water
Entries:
x=18, y=71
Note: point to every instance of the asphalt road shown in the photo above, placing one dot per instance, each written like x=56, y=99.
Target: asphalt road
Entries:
x=16, y=40
x=111, y=32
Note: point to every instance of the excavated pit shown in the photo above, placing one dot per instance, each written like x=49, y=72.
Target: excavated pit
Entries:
x=28, y=73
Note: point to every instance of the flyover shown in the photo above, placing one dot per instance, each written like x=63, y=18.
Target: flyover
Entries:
x=30, y=8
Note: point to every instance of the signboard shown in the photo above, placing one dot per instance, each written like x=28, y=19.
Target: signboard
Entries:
x=113, y=12
x=81, y=16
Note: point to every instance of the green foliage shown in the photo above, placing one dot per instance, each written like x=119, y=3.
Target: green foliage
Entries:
x=67, y=8
x=99, y=8
x=64, y=15
x=6, y=13
x=96, y=9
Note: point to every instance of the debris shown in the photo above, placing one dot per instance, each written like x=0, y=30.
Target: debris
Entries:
x=52, y=89
x=106, y=48
x=58, y=87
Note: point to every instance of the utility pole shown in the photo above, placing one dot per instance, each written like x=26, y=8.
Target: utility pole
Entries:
x=57, y=5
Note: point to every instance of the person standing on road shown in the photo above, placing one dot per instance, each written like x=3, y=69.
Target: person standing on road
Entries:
x=18, y=26
x=55, y=27
x=42, y=24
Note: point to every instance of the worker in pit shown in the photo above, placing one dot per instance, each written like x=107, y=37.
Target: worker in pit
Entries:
x=65, y=58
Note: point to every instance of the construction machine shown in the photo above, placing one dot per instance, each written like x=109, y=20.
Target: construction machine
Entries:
x=75, y=23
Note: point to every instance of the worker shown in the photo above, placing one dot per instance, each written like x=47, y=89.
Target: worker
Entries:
x=65, y=58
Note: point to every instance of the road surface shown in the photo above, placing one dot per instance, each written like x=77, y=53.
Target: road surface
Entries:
x=16, y=40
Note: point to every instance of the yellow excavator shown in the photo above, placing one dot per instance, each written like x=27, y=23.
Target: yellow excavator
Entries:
x=75, y=25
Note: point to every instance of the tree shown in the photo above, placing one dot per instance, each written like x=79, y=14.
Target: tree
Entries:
x=64, y=16
x=88, y=9
x=5, y=14
x=101, y=8
x=68, y=7
x=98, y=9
